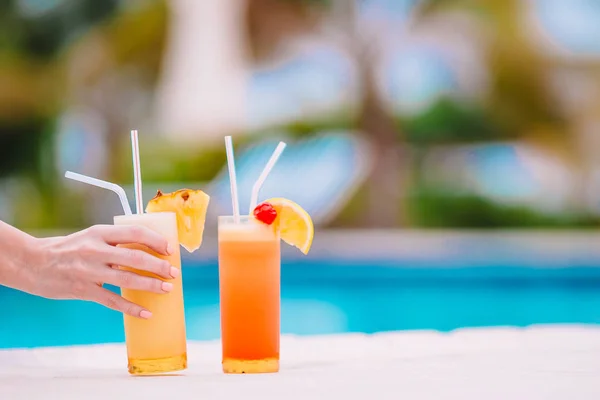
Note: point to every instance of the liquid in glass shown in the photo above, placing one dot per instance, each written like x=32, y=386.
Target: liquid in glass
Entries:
x=249, y=282
x=156, y=345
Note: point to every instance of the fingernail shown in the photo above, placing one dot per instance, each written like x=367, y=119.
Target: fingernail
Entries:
x=145, y=314
x=166, y=286
x=170, y=249
x=175, y=272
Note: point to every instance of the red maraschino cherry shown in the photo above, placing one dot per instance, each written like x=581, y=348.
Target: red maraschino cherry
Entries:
x=265, y=213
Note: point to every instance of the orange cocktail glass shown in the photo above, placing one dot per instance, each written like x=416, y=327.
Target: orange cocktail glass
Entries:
x=249, y=281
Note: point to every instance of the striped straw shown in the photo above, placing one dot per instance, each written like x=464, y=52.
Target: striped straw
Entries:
x=137, y=172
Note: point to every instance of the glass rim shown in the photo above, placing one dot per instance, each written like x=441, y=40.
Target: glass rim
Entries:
x=146, y=214
x=231, y=218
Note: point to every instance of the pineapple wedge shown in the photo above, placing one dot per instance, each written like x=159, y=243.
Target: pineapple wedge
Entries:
x=190, y=208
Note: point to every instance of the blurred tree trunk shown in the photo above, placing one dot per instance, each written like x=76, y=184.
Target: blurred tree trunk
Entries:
x=586, y=133
x=519, y=93
x=271, y=22
x=523, y=94
x=520, y=96
x=386, y=191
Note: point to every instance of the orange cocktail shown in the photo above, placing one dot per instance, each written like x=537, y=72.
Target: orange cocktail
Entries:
x=249, y=280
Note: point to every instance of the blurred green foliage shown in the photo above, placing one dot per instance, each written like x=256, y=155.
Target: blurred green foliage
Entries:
x=169, y=162
x=21, y=143
x=436, y=208
x=32, y=49
x=41, y=33
x=448, y=121
x=33, y=36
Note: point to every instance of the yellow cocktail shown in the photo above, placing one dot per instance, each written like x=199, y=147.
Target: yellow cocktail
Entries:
x=158, y=344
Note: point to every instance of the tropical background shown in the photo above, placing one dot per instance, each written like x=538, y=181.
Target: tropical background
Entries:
x=475, y=114
x=448, y=151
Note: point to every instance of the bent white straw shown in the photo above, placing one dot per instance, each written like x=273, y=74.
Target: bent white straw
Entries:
x=118, y=190
x=263, y=176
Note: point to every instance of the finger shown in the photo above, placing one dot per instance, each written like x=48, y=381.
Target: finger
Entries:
x=116, y=302
x=131, y=280
x=129, y=234
x=142, y=261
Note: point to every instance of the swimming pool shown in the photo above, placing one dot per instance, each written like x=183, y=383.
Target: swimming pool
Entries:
x=322, y=297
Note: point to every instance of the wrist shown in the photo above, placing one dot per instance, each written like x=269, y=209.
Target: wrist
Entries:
x=21, y=254
x=29, y=257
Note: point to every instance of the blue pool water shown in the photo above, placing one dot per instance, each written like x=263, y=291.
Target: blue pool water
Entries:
x=328, y=297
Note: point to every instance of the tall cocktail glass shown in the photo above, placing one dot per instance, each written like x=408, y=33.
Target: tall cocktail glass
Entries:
x=249, y=282
x=156, y=345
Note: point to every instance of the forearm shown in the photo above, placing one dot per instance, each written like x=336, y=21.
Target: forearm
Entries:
x=15, y=255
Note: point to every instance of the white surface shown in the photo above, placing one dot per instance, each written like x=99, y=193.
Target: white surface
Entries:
x=545, y=362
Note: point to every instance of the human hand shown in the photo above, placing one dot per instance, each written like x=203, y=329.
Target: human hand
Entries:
x=76, y=266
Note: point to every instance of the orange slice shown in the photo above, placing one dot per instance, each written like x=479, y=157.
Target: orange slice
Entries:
x=190, y=208
x=294, y=224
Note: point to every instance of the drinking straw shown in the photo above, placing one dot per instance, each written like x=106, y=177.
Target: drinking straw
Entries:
x=118, y=190
x=137, y=172
x=265, y=173
x=235, y=201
